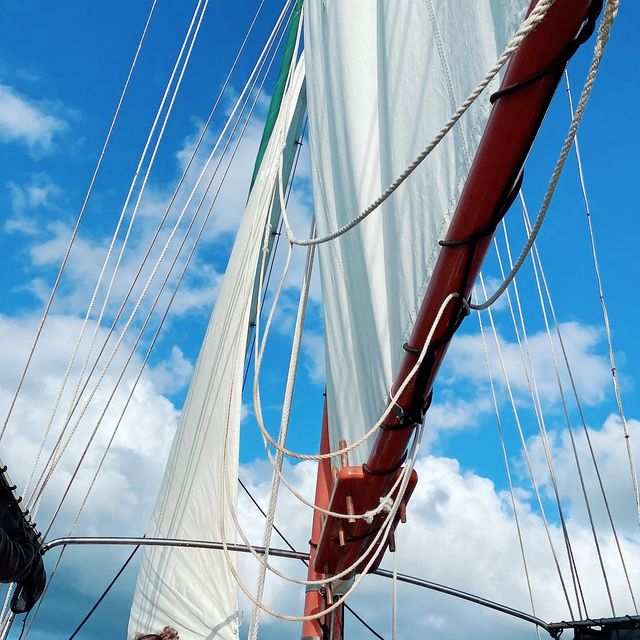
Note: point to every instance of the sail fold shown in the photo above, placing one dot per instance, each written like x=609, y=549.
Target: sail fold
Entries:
x=382, y=79
x=193, y=590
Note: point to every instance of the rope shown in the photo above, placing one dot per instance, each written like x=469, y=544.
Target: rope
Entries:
x=384, y=531
x=394, y=596
x=245, y=93
x=507, y=467
x=610, y=12
x=379, y=422
x=79, y=218
x=532, y=385
x=256, y=95
x=525, y=451
x=293, y=366
x=57, y=452
x=581, y=413
x=536, y=258
x=605, y=315
x=530, y=23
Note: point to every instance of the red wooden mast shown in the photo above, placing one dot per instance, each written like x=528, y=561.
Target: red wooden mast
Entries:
x=528, y=86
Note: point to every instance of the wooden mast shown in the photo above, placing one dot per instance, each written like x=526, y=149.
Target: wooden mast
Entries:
x=494, y=180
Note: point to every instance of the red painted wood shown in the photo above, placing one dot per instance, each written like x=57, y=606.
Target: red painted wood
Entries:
x=508, y=137
x=314, y=601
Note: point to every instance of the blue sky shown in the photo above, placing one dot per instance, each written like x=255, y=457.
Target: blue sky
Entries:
x=61, y=70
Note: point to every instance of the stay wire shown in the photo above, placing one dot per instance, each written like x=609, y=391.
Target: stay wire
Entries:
x=58, y=450
x=583, y=421
x=505, y=458
x=527, y=363
x=243, y=96
x=149, y=315
x=535, y=258
x=202, y=227
x=605, y=313
x=79, y=218
x=525, y=451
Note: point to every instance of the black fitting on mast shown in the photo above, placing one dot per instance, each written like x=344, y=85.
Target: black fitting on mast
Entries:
x=20, y=549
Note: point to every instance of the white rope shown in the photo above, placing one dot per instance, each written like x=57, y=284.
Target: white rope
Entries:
x=525, y=451
x=383, y=531
x=532, y=384
x=394, y=595
x=74, y=233
x=536, y=256
x=605, y=316
x=245, y=92
x=379, y=422
x=165, y=314
x=291, y=375
x=610, y=12
x=244, y=96
x=530, y=23
x=57, y=452
x=507, y=466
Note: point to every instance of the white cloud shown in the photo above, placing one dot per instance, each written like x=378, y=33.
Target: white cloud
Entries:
x=173, y=374
x=466, y=361
x=26, y=121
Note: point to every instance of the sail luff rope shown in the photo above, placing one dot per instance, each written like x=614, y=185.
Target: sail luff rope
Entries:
x=383, y=531
x=259, y=65
x=293, y=360
x=581, y=412
x=387, y=503
x=56, y=453
x=165, y=248
x=610, y=12
x=605, y=313
x=529, y=372
x=525, y=451
x=79, y=218
x=505, y=458
x=564, y=407
x=246, y=93
x=528, y=25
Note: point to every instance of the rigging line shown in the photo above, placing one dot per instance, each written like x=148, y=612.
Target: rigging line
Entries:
x=525, y=451
x=529, y=24
x=610, y=12
x=242, y=96
x=274, y=250
x=385, y=530
x=605, y=314
x=394, y=596
x=525, y=354
x=185, y=268
x=286, y=410
x=506, y=465
x=125, y=241
x=306, y=564
x=564, y=406
x=176, y=190
x=160, y=291
x=79, y=218
x=383, y=573
x=156, y=335
x=580, y=411
x=118, y=226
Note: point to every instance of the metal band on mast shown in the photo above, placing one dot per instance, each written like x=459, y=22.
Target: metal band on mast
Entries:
x=492, y=184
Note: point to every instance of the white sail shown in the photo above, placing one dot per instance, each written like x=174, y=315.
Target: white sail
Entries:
x=382, y=78
x=193, y=590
